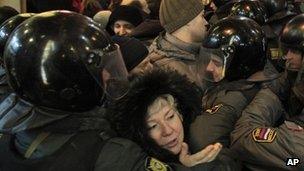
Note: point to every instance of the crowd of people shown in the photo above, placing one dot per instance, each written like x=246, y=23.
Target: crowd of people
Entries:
x=154, y=85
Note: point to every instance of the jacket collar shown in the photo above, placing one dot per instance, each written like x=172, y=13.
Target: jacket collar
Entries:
x=169, y=46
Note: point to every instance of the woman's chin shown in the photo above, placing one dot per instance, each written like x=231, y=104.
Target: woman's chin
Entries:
x=176, y=150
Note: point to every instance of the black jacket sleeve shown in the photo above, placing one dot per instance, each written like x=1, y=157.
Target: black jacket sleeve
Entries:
x=121, y=154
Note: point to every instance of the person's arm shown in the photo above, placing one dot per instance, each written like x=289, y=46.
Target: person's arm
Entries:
x=121, y=154
x=225, y=161
x=280, y=87
x=216, y=123
x=256, y=140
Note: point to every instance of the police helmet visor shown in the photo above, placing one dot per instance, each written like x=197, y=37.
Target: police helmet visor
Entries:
x=113, y=73
x=215, y=62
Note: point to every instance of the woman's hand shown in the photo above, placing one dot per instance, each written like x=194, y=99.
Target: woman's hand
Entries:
x=207, y=154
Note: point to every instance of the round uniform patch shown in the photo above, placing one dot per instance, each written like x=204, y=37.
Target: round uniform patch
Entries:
x=153, y=164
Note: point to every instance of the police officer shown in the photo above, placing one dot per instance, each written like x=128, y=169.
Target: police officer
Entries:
x=252, y=9
x=60, y=64
x=262, y=143
x=257, y=11
x=278, y=16
x=235, y=55
x=6, y=29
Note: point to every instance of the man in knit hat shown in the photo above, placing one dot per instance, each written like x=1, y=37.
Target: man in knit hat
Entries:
x=177, y=47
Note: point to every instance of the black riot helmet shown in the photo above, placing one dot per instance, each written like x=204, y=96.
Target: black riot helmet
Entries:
x=63, y=60
x=278, y=14
x=237, y=45
x=274, y=6
x=292, y=36
x=7, y=12
x=252, y=9
x=7, y=28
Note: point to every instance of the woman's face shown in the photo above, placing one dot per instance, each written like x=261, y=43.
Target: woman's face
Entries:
x=165, y=126
x=123, y=28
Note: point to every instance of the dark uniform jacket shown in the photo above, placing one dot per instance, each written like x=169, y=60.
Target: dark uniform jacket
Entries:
x=223, y=106
x=260, y=143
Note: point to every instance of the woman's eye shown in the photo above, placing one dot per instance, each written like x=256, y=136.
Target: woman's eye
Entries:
x=152, y=127
x=171, y=116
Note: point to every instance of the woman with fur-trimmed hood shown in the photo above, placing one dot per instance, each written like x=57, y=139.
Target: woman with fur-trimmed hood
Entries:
x=156, y=113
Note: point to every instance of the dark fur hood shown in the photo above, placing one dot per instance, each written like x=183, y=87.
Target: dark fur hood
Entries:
x=128, y=113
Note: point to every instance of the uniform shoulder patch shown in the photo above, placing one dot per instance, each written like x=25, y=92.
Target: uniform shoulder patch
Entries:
x=264, y=135
x=153, y=164
x=214, y=109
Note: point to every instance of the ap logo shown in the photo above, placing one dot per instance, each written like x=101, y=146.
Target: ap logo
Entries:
x=292, y=161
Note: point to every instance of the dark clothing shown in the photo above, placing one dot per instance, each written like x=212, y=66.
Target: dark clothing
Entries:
x=67, y=142
x=79, y=153
x=133, y=50
x=84, y=151
x=73, y=141
x=127, y=13
x=223, y=106
x=262, y=145
x=5, y=89
x=37, y=6
x=91, y=8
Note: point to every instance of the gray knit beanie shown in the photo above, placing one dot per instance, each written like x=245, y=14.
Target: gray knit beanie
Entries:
x=173, y=14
